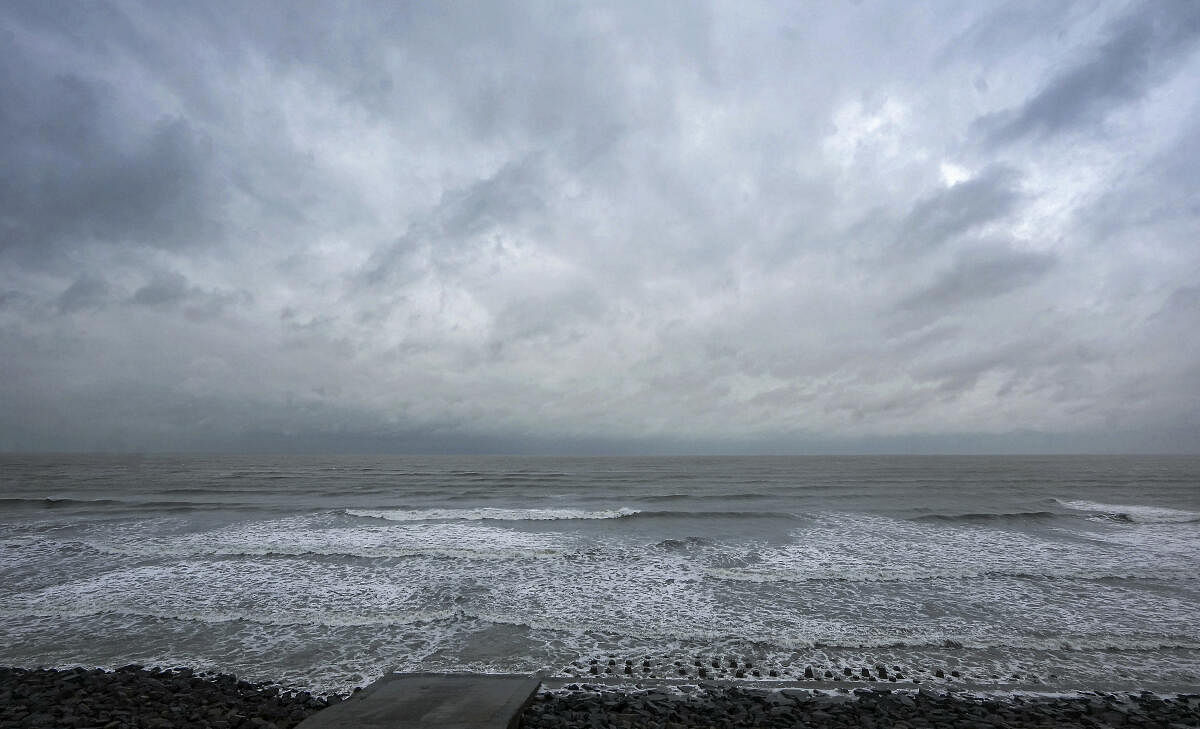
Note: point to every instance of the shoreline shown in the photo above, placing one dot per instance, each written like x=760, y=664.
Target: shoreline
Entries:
x=156, y=698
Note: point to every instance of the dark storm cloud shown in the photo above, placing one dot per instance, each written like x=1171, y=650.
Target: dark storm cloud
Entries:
x=613, y=226
x=77, y=172
x=1142, y=48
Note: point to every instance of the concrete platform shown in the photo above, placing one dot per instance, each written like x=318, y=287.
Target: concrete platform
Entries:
x=431, y=701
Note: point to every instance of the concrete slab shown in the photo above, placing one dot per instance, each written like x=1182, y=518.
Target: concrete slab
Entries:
x=431, y=701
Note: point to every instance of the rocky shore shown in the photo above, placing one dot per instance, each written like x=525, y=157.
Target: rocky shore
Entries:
x=134, y=697
x=588, y=707
x=151, y=698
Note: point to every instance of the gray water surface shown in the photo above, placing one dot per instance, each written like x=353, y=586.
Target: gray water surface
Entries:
x=328, y=571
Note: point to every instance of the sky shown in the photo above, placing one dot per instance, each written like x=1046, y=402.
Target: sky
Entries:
x=667, y=227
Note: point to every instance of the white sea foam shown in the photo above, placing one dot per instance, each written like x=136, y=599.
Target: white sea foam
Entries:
x=280, y=592
x=1136, y=513
x=863, y=548
x=298, y=536
x=489, y=513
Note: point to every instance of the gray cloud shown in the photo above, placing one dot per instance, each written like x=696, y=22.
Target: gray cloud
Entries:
x=977, y=274
x=959, y=208
x=77, y=174
x=86, y=292
x=170, y=289
x=164, y=289
x=1142, y=48
x=610, y=227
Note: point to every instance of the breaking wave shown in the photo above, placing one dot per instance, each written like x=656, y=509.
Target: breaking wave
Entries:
x=1134, y=513
x=489, y=513
x=553, y=514
x=987, y=517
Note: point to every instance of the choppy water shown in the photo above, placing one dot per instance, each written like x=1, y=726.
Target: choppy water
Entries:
x=327, y=572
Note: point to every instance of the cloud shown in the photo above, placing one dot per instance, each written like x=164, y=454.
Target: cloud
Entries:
x=80, y=171
x=615, y=226
x=959, y=208
x=171, y=289
x=1141, y=49
x=164, y=289
x=979, y=274
x=86, y=292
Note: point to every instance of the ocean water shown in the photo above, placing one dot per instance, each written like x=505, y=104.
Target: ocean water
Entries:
x=327, y=572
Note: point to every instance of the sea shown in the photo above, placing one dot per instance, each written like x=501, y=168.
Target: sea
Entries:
x=326, y=572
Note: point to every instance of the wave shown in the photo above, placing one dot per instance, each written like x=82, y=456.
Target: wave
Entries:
x=923, y=643
x=489, y=514
x=416, y=617
x=988, y=516
x=292, y=537
x=488, y=553
x=118, y=505
x=745, y=496
x=53, y=503
x=750, y=574
x=676, y=545
x=1133, y=513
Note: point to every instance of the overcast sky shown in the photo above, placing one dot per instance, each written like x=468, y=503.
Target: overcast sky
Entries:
x=593, y=227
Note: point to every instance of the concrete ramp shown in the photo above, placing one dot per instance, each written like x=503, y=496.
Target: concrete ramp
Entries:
x=431, y=701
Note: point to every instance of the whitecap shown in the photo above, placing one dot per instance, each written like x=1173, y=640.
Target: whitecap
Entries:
x=1135, y=513
x=489, y=513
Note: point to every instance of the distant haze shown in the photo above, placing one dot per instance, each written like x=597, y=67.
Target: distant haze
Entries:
x=736, y=227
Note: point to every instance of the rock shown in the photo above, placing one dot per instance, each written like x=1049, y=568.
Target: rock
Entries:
x=152, y=698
